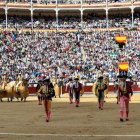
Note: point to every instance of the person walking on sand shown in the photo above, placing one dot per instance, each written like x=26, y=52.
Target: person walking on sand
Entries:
x=77, y=87
x=47, y=91
x=99, y=89
x=124, y=93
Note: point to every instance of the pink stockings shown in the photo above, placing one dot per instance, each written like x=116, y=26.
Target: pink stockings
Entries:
x=47, y=105
x=101, y=104
x=124, y=104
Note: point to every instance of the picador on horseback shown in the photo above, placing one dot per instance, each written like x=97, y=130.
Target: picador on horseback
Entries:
x=18, y=88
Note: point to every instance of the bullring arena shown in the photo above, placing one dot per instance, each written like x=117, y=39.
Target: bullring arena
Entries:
x=25, y=120
x=62, y=39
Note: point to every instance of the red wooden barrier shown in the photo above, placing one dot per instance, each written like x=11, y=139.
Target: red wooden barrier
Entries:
x=32, y=89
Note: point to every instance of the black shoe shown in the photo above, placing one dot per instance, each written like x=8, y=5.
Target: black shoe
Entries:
x=127, y=119
x=121, y=119
x=47, y=120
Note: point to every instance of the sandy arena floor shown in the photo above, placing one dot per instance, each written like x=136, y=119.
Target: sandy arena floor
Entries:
x=26, y=120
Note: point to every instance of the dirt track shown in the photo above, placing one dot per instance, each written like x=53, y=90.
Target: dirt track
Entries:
x=68, y=122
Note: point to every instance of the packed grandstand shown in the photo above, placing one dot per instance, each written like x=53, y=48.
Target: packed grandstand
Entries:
x=68, y=38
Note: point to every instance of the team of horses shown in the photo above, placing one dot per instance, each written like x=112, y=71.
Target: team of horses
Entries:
x=11, y=90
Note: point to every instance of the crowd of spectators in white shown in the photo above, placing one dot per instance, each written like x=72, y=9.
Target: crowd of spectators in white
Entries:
x=40, y=54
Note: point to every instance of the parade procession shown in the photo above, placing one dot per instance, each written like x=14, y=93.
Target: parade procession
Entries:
x=47, y=88
x=69, y=69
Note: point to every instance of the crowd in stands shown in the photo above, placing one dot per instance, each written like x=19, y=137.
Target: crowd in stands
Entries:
x=39, y=54
x=90, y=20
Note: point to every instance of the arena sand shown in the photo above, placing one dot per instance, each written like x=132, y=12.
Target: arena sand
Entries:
x=26, y=120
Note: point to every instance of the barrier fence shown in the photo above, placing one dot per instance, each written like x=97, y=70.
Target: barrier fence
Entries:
x=87, y=88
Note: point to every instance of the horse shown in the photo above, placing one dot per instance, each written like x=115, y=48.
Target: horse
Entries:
x=3, y=93
x=22, y=90
x=7, y=90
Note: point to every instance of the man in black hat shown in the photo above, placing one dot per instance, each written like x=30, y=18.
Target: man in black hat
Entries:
x=100, y=88
x=77, y=87
x=47, y=90
x=124, y=94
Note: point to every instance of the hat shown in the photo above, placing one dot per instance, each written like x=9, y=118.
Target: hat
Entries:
x=47, y=79
x=26, y=79
x=76, y=78
x=106, y=75
x=70, y=79
x=122, y=76
x=83, y=77
x=129, y=75
x=4, y=73
x=100, y=77
x=39, y=80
